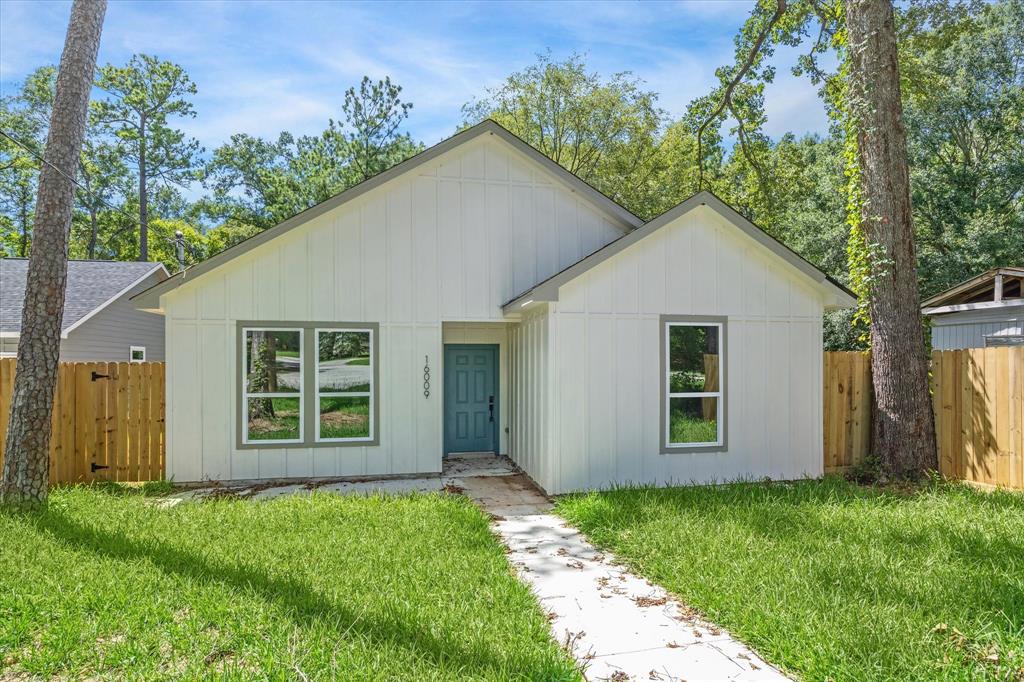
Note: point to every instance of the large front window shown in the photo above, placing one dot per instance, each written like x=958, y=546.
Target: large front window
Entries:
x=307, y=383
x=692, y=383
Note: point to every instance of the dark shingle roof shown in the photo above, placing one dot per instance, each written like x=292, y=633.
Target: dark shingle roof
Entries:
x=91, y=283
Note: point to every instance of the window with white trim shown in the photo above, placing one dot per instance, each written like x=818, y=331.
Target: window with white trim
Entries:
x=136, y=353
x=691, y=383
x=344, y=385
x=272, y=390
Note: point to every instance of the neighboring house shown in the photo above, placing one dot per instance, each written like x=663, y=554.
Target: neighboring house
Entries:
x=987, y=310
x=478, y=297
x=100, y=322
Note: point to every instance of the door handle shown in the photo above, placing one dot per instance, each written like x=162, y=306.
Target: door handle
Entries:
x=490, y=406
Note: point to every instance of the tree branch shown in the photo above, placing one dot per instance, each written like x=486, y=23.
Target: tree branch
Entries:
x=780, y=9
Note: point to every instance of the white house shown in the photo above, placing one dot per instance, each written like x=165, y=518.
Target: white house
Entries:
x=987, y=310
x=478, y=297
x=100, y=322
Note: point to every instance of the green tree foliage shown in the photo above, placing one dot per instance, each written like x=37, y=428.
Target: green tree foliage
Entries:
x=965, y=120
x=143, y=96
x=375, y=114
x=259, y=183
x=25, y=117
x=606, y=131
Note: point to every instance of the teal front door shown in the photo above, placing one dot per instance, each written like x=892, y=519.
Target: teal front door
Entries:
x=470, y=398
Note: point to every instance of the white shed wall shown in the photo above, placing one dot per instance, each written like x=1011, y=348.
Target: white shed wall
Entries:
x=450, y=241
x=605, y=334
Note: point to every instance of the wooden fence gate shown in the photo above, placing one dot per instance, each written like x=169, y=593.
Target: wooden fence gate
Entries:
x=108, y=420
x=978, y=399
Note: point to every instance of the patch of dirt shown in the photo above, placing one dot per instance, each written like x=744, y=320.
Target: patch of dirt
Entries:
x=343, y=419
x=645, y=601
x=264, y=425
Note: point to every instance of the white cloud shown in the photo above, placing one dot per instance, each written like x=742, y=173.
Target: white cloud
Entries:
x=266, y=67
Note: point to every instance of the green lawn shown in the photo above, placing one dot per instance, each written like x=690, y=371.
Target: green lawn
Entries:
x=831, y=580
x=107, y=585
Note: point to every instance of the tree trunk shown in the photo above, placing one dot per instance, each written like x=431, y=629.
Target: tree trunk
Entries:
x=93, y=232
x=903, y=435
x=143, y=199
x=23, y=246
x=27, y=456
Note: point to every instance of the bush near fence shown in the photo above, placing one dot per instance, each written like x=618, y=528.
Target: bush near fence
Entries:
x=108, y=420
x=978, y=400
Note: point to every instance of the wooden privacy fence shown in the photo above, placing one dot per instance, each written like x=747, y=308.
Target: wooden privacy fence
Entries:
x=978, y=399
x=108, y=421
x=847, y=409
x=978, y=395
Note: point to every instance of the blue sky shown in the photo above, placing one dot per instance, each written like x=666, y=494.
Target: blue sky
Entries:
x=263, y=67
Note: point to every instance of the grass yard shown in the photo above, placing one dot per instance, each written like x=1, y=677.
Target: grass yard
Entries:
x=686, y=428
x=831, y=580
x=106, y=585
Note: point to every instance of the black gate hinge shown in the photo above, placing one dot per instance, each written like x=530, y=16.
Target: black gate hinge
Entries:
x=96, y=467
x=97, y=375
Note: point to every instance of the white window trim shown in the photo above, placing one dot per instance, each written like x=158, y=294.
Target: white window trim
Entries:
x=246, y=395
x=719, y=443
x=343, y=394
x=131, y=353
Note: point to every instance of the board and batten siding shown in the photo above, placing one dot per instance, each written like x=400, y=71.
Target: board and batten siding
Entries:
x=108, y=335
x=449, y=241
x=604, y=415
x=530, y=445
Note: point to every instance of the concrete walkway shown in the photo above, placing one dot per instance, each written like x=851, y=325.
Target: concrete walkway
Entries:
x=617, y=625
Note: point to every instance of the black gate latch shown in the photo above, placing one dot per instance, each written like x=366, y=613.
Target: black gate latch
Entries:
x=95, y=467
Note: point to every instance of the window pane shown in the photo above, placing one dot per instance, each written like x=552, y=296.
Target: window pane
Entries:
x=344, y=362
x=693, y=420
x=345, y=417
x=273, y=361
x=693, y=359
x=273, y=419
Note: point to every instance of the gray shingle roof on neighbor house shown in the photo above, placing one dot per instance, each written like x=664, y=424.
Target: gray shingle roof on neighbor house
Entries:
x=91, y=284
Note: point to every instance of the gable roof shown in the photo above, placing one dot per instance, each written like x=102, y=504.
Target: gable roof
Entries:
x=973, y=292
x=548, y=289
x=150, y=298
x=92, y=285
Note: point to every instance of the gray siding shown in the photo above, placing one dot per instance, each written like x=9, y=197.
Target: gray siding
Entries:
x=969, y=329
x=108, y=335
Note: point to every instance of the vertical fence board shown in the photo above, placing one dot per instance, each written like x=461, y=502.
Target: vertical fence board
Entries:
x=158, y=432
x=135, y=417
x=6, y=390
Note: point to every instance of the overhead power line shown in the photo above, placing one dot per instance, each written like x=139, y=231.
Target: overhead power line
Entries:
x=40, y=158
